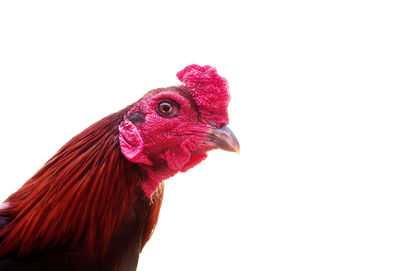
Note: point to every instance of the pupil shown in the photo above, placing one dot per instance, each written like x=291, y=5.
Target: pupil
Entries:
x=165, y=108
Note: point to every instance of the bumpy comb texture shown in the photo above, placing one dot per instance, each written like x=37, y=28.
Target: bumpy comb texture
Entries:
x=209, y=90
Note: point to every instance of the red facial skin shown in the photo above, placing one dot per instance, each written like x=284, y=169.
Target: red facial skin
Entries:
x=161, y=145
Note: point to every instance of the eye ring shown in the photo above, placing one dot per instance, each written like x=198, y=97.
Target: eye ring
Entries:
x=167, y=109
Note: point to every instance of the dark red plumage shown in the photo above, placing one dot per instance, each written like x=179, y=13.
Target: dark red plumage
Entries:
x=94, y=205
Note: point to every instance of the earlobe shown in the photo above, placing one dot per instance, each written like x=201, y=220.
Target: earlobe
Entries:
x=130, y=140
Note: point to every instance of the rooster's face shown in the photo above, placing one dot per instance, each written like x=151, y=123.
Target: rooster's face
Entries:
x=176, y=126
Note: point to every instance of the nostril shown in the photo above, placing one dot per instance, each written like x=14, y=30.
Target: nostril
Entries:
x=213, y=124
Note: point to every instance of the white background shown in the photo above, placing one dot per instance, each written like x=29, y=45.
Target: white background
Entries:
x=315, y=104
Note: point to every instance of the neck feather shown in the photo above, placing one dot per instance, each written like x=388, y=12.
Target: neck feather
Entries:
x=77, y=199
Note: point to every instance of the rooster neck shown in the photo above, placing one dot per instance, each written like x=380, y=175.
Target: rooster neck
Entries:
x=86, y=198
x=133, y=233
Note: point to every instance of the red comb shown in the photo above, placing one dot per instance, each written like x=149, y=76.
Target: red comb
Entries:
x=209, y=90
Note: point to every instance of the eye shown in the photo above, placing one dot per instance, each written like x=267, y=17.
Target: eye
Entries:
x=168, y=109
x=165, y=108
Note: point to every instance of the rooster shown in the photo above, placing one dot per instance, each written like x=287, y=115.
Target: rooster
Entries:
x=95, y=204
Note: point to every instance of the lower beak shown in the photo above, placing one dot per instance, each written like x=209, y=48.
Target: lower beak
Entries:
x=223, y=138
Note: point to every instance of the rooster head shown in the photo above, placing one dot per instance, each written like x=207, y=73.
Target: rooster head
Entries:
x=172, y=129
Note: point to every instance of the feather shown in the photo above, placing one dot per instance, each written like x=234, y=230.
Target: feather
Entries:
x=4, y=221
x=82, y=207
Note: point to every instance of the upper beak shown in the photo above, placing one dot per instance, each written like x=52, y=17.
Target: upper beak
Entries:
x=223, y=138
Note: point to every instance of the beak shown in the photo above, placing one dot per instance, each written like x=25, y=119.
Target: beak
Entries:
x=223, y=138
